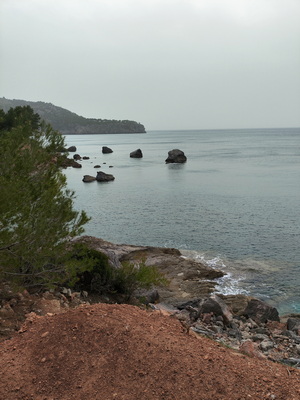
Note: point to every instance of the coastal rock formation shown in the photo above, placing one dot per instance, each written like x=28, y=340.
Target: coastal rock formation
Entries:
x=260, y=311
x=136, y=154
x=176, y=156
x=106, y=150
x=293, y=324
x=77, y=157
x=88, y=178
x=103, y=177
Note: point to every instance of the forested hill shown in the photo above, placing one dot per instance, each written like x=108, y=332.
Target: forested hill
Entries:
x=68, y=122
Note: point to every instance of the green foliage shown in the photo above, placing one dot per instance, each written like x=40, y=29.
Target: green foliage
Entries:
x=90, y=270
x=68, y=122
x=131, y=277
x=36, y=208
x=19, y=116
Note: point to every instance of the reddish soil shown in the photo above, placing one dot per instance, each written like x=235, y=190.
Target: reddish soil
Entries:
x=122, y=352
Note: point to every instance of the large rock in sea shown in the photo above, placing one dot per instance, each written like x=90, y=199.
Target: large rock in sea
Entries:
x=103, y=177
x=136, y=154
x=106, y=150
x=176, y=156
x=88, y=178
x=260, y=311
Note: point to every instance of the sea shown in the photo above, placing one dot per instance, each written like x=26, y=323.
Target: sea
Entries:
x=234, y=205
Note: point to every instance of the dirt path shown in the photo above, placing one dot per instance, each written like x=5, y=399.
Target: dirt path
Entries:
x=122, y=352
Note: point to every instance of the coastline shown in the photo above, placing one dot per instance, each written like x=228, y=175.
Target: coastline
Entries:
x=240, y=322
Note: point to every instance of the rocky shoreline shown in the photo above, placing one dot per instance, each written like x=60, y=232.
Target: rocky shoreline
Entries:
x=237, y=321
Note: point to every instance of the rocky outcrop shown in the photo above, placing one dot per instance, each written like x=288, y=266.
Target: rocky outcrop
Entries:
x=293, y=324
x=72, y=149
x=136, y=154
x=106, y=150
x=260, y=311
x=77, y=157
x=88, y=178
x=103, y=177
x=176, y=156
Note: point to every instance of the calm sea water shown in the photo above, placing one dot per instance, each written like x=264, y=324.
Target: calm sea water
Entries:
x=235, y=203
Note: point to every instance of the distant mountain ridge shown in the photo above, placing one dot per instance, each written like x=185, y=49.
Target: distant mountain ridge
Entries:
x=68, y=122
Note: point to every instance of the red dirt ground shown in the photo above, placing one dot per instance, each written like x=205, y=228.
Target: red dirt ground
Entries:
x=122, y=352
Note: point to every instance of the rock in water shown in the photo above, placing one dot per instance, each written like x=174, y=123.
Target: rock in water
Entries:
x=106, y=150
x=75, y=164
x=88, y=178
x=103, y=177
x=176, y=156
x=136, y=154
x=72, y=149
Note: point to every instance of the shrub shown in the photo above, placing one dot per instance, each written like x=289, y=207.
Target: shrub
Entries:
x=90, y=270
x=131, y=277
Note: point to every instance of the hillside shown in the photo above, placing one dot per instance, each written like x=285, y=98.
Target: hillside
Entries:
x=68, y=122
x=121, y=352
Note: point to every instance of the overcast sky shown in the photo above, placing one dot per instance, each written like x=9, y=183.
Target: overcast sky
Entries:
x=169, y=64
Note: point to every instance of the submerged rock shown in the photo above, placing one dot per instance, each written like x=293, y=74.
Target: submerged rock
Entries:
x=176, y=156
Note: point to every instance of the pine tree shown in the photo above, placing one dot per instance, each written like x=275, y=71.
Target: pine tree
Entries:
x=37, y=218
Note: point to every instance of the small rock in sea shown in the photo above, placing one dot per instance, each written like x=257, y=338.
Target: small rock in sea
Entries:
x=111, y=166
x=85, y=158
x=106, y=150
x=75, y=164
x=103, y=177
x=88, y=178
x=176, y=156
x=136, y=154
x=71, y=149
x=77, y=157
x=97, y=166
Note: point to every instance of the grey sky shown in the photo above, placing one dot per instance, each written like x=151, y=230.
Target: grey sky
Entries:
x=169, y=64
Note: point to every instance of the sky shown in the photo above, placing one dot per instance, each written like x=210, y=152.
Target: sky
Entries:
x=169, y=64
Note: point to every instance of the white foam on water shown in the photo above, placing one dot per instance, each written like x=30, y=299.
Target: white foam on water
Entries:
x=229, y=284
